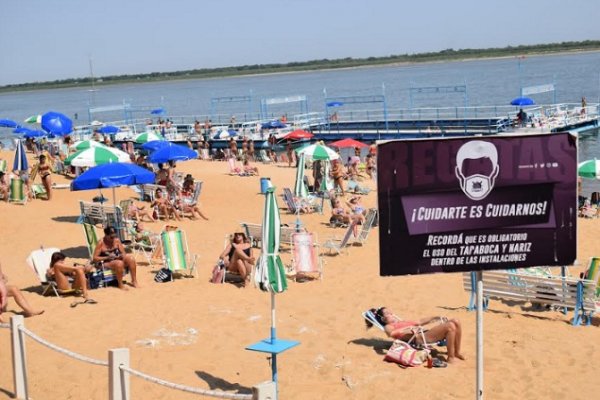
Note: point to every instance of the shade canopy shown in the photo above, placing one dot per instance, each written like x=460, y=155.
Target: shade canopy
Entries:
x=348, y=142
x=275, y=124
x=334, y=104
x=86, y=144
x=148, y=137
x=589, y=169
x=109, y=129
x=34, y=134
x=21, y=130
x=34, y=119
x=8, y=123
x=96, y=156
x=172, y=152
x=318, y=152
x=56, y=123
x=112, y=175
x=158, y=111
x=522, y=101
x=298, y=134
x=154, y=145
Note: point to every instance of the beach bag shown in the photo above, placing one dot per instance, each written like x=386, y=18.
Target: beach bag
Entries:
x=163, y=275
x=218, y=273
x=95, y=279
x=402, y=353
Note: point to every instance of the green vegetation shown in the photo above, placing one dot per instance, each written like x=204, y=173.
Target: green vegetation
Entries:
x=444, y=55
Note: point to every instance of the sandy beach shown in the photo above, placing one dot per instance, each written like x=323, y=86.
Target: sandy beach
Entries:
x=193, y=332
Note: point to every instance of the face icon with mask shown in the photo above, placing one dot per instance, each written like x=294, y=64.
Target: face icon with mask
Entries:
x=477, y=186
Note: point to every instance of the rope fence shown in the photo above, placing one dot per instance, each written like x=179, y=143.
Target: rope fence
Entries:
x=119, y=370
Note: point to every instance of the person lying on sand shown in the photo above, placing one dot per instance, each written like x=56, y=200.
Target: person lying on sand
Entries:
x=111, y=252
x=7, y=291
x=396, y=328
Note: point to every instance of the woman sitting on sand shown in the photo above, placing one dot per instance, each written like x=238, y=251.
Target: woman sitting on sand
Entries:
x=60, y=272
x=396, y=328
x=237, y=256
x=7, y=291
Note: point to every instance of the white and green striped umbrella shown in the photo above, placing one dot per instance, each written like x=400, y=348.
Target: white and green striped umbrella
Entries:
x=319, y=152
x=326, y=182
x=97, y=156
x=589, y=169
x=148, y=137
x=270, y=273
x=86, y=144
x=300, y=189
x=34, y=119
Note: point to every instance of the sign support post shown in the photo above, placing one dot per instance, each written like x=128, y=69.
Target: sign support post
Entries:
x=479, y=329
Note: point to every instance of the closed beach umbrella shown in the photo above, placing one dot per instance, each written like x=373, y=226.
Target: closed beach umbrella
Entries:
x=589, y=169
x=34, y=119
x=318, y=152
x=172, y=152
x=97, y=156
x=86, y=144
x=109, y=129
x=300, y=189
x=148, y=137
x=56, y=123
x=270, y=274
x=348, y=142
x=7, y=123
x=154, y=145
x=20, y=163
x=326, y=182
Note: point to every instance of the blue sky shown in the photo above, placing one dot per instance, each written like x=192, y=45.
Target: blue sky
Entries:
x=43, y=40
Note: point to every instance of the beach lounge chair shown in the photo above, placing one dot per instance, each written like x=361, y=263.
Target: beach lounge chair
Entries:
x=17, y=191
x=147, y=191
x=234, y=168
x=253, y=232
x=306, y=262
x=354, y=187
x=264, y=157
x=39, y=261
x=3, y=165
x=592, y=273
x=176, y=254
x=366, y=227
x=340, y=245
x=194, y=199
x=293, y=205
x=416, y=331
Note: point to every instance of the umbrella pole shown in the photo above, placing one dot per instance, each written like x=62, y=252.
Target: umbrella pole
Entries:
x=273, y=340
x=114, y=197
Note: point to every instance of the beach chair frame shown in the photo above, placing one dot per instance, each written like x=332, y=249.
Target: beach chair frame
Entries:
x=17, y=191
x=176, y=254
x=366, y=227
x=306, y=261
x=39, y=261
x=340, y=245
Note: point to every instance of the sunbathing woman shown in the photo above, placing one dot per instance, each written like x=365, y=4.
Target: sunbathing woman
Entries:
x=60, y=271
x=396, y=328
x=6, y=291
x=111, y=253
x=45, y=169
x=139, y=212
x=237, y=256
x=340, y=215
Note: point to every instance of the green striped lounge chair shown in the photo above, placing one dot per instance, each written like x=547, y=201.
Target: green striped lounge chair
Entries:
x=17, y=191
x=91, y=241
x=3, y=165
x=176, y=254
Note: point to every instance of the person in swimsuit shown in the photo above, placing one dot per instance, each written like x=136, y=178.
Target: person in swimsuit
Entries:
x=356, y=207
x=4, y=186
x=111, y=253
x=60, y=271
x=396, y=328
x=237, y=256
x=162, y=176
x=7, y=291
x=337, y=174
x=45, y=170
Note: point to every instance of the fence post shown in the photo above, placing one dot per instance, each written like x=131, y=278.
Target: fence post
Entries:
x=264, y=391
x=18, y=357
x=118, y=381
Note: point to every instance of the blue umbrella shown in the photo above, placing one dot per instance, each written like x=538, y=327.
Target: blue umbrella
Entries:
x=158, y=111
x=275, y=124
x=172, y=152
x=112, y=175
x=56, y=123
x=20, y=163
x=8, y=123
x=109, y=129
x=335, y=104
x=21, y=129
x=154, y=145
x=522, y=101
x=34, y=134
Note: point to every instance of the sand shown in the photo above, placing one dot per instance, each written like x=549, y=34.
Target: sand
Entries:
x=194, y=333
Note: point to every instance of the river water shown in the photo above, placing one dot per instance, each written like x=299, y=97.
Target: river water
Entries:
x=489, y=82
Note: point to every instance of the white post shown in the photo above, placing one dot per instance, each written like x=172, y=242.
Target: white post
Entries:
x=479, y=333
x=18, y=357
x=264, y=391
x=118, y=381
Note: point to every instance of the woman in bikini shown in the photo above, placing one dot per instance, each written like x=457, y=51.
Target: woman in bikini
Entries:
x=337, y=173
x=45, y=170
x=111, y=252
x=237, y=256
x=396, y=328
x=60, y=271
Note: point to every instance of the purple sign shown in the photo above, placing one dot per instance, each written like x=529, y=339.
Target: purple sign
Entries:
x=465, y=204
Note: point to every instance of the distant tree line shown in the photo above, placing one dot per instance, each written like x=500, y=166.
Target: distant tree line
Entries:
x=444, y=55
